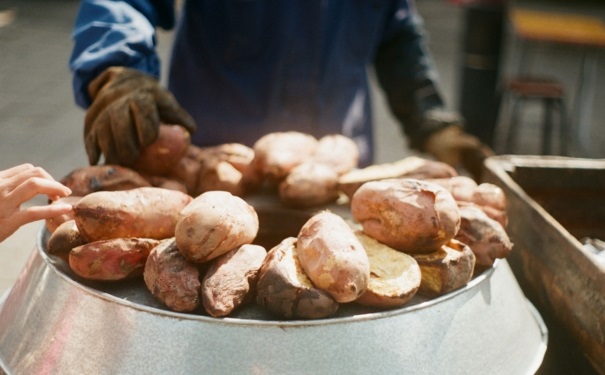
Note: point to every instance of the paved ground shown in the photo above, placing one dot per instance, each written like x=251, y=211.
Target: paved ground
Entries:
x=40, y=123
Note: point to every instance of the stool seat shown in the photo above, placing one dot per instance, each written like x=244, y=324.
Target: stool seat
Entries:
x=538, y=87
x=550, y=92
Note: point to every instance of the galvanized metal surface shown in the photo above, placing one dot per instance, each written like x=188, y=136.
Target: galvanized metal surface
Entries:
x=51, y=324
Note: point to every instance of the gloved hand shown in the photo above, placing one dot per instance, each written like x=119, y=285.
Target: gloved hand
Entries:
x=457, y=148
x=125, y=115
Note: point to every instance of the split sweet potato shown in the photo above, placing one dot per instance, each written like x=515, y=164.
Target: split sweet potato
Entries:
x=410, y=167
x=446, y=269
x=394, y=276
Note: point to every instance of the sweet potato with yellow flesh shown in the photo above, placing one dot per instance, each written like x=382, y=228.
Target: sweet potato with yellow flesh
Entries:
x=332, y=256
x=394, y=276
x=53, y=223
x=111, y=260
x=285, y=290
x=447, y=269
x=160, y=157
x=408, y=215
x=172, y=279
x=85, y=180
x=309, y=184
x=486, y=237
x=147, y=212
x=337, y=152
x=65, y=238
x=275, y=154
x=214, y=223
x=231, y=279
x=409, y=167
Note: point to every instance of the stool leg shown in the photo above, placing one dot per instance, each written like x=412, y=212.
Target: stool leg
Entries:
x=564, y=128
x=512, y=126
x=547, y=126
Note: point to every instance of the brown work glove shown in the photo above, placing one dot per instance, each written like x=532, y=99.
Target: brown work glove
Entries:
x=458, y=149
x=125, y=115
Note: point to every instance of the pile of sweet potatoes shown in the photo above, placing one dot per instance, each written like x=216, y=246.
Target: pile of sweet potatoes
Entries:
x=180, y=222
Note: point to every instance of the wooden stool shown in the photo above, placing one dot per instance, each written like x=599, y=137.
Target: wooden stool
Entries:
x=552, y=95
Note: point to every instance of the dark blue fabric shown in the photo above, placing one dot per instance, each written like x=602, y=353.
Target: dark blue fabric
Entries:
x=244, y=68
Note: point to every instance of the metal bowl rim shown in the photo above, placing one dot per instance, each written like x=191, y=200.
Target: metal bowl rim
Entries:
x=255, y=322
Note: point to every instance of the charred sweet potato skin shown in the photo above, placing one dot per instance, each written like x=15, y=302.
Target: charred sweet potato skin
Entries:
x=111, y=260
x=147, y=212
x=85, y=180
x=231, y=279
x=172, y=279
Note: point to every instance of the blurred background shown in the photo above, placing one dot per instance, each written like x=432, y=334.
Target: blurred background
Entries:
x=40, y=123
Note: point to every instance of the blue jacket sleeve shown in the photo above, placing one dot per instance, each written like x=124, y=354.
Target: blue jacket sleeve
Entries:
x=406, y=73
x=116, y=33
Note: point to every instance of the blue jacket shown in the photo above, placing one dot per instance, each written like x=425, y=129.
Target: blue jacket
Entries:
x=244, y=68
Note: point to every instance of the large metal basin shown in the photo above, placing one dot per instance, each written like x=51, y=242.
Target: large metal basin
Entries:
x=52, y=324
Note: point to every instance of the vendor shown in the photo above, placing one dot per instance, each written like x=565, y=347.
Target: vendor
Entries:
x=242, y=69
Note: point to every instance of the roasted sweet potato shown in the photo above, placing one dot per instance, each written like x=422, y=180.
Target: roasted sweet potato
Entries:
x=309, y=184
x=408, y=215
x=187, y=170
x=409, y=167
x=332, y=256
x=53, y=223
x=147, y=212
x=486, y=237
x=394, y=276
x=160, y=157
x=111, y=260
x=275, y=154
x=337, y=152
x=285, y=290
x=65, y=238
x=231, y=279
x=172, y=279
x=218, y=174
x=241, y=157
x=166, y=183
x=490, y=198
x=447, y=269
x=214, y=223
x=85, y=180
